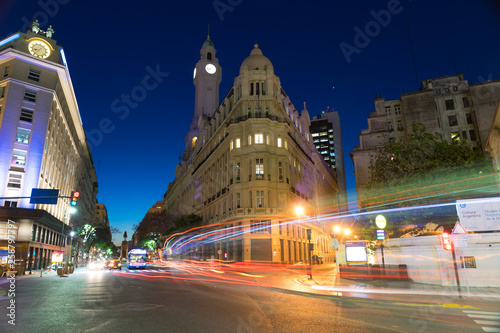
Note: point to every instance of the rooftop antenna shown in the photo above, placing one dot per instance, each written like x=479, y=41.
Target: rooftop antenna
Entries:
x=411, y=50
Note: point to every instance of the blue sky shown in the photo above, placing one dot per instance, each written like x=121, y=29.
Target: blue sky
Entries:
x=112, y=45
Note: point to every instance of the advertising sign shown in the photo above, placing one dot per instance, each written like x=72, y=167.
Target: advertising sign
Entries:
x=479, y=214
x=356, y=252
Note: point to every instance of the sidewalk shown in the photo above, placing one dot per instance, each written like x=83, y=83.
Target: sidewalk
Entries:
x=324, y=281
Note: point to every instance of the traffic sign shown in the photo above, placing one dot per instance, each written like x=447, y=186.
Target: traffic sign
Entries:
x=44, y=196
x=380, y=234
x=460, y=240
x=458, y=229
x=334, y=243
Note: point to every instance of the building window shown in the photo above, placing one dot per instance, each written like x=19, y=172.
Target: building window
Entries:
x=446, y=90
x=465, y=100
x=470, y=262
x=286, y=144
x=449, y=104
x=238, y=172
x=2, y=92
x=281, y=200
x=472, y=135
x=455, y=88
x=400, y=125
x=22, y=135
x=209, y=56
x=19, y=157
x=9, y=203
x=468, y=116
x=267, y=139
x=249, y=139
x=257, y=90
x=397, y=109
x=455, y=136
x=5, y=72
x=259, y=138
x=259, y=168
x=238, y=143
x=14, y=180
x=389, y=126
x=231, y=145
x=30, y=95
x=388, y=110
x=26, y=115
x=238, y=200
x=452, y=120
x=260, y=199
x=250, y=199
x=260, y=227
x=34, y=75
x=280, y=172
x=279, y=142
x=251, y=88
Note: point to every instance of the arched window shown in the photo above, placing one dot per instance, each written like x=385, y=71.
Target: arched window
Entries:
x=193, y=142
x=209, y=56
x=257, y=92
x=251, y=88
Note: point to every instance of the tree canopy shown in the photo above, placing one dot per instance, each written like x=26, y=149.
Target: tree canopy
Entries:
x=423, y=169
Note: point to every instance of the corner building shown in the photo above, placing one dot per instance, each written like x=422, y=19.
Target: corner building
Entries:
x=42, y=145
x=248, y=163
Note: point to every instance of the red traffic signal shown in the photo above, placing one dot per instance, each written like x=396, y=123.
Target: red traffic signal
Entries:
x=74, y=198
x=446, y=241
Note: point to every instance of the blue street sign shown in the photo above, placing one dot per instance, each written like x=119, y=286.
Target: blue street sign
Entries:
x=380, y=234
x=44, y=196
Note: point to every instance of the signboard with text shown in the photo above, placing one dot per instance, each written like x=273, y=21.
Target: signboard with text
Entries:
x=479, y=214
x=356, y=252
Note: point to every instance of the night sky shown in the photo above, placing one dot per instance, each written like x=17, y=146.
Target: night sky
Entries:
x=112, y=45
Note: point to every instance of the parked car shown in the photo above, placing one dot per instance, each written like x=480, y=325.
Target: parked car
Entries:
x=317, y=259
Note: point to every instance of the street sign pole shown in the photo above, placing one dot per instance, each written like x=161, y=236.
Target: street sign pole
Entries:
x=456, y=270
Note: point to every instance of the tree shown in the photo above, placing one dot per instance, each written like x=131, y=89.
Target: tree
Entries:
x=422, y=170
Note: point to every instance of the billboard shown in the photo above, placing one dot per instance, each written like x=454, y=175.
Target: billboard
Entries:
x=479, y=214
x=356, y=252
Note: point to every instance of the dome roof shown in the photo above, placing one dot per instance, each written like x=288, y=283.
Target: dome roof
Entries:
x=257, y=61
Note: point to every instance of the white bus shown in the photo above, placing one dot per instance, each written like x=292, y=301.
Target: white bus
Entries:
x=137, y=258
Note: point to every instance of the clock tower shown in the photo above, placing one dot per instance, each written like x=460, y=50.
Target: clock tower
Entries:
x=206, y=78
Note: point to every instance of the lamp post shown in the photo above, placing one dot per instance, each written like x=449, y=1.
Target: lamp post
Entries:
x=299, y=211
x=71, y=246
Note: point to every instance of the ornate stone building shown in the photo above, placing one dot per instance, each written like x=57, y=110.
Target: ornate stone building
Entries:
x=248, y=163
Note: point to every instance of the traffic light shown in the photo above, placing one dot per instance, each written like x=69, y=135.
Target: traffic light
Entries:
x=446, y=241
x=74, y=198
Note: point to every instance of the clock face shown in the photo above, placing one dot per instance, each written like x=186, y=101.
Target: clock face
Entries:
x=210, y=68
x=39, y=49
x=194, y=73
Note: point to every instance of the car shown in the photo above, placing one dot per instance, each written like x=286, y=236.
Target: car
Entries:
x=115, y=264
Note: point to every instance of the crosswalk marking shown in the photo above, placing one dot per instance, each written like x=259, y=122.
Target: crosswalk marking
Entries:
x=480, y=312
x=485, y=315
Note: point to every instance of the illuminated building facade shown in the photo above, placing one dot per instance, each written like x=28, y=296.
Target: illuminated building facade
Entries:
x=248, y=163
x=327, y=138
x=42, y=140
x=447, y=105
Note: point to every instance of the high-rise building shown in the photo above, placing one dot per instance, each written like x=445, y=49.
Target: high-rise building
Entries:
x=42, y=141
x=448, y=105
x=249, y=161
x=327, y=138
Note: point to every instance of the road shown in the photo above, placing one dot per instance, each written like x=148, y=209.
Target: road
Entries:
x=180, y=297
